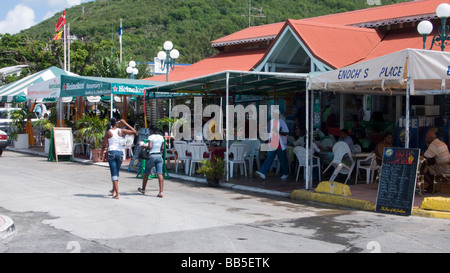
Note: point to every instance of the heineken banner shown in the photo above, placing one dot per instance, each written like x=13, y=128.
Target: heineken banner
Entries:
x=81, y=86
x=126, y=86
x=75, y=86
x=125, y=89
x=68, y=86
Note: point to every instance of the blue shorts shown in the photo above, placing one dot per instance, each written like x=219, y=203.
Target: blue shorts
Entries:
x=115, y=159
x=155, y=160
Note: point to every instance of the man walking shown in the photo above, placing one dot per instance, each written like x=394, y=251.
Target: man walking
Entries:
x=278, y=143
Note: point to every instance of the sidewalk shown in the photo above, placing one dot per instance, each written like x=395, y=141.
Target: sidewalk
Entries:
x=363, y=196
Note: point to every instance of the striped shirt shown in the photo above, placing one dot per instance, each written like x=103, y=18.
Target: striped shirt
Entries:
x=439, y=151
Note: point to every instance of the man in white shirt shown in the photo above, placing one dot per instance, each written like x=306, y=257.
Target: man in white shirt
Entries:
x=278, y=142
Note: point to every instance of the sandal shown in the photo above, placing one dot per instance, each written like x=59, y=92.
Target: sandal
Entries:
x=161, y=195
x=141, y=191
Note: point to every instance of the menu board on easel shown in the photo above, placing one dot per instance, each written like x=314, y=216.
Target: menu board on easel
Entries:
x=397, y=181
x=61, y=144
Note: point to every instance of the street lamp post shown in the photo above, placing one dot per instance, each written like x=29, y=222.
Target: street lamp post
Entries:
x=168, y=57
x=426, y=27
x=132, y=70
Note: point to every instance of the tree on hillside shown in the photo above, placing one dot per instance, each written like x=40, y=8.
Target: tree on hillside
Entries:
x=38, y=55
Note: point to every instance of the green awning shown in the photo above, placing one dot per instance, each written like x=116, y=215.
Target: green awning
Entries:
x=76, y=86
x=126, y=86
x=239, y=82
x=17, y=91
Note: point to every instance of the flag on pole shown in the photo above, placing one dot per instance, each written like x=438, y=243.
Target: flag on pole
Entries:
x=120, y=33
x=61, y=21
x=58, y=36
x=120, y=41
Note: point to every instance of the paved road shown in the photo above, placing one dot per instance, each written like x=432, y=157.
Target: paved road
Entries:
x=65, y=207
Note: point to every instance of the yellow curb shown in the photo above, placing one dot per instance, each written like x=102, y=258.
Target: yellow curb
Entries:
x=304, y=195
x=431, y=213
x=333, y=200
x=436, y=203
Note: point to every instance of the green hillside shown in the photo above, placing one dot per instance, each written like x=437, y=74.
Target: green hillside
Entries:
x=189, y=24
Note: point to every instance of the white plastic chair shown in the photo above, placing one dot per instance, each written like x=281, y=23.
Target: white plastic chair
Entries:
x=181, y=147
x=239, y=151
x=300, y=141
x=320, y=134
x=253, y=147
x=357, y=148
x=340, y=149
x=327, y=142
x=300, y=153
x=197, y=151
x=78, y=147
x=129, y=140
x=369, y=164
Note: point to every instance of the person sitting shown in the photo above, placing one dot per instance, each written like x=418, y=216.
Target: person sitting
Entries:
x=375, y=137
x=387, y=142
x=357, y=131
x=343, y=136
x=438, y=158
x=301, y=142
x=299, y=137
x=332, y=125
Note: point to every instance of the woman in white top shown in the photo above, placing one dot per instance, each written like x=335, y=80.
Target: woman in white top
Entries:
x=155, y=147
x=115, y=140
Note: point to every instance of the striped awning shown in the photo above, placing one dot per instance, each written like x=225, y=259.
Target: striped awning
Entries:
x=17, y=91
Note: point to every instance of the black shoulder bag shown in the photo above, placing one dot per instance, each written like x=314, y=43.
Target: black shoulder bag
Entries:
x=144, y=154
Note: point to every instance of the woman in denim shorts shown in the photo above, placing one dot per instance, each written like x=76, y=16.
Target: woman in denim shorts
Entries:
x=155, y=145
x=114, y=139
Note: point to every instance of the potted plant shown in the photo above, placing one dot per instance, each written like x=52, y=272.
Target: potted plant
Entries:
x=47, y=124
x=19, y=120
x=93, y=128
x=213, y=170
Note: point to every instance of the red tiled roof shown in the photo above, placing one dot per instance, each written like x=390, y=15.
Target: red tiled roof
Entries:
x=333, y=39
x=380, y=13
x=257, y=33
x=237, y=60
x=398, y=41
x=357, y=17
x=336, y=45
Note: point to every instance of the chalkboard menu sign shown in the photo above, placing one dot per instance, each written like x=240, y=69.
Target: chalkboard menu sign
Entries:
x=397, y=181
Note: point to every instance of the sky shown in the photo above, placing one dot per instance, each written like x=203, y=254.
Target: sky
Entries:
x=16, y=15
